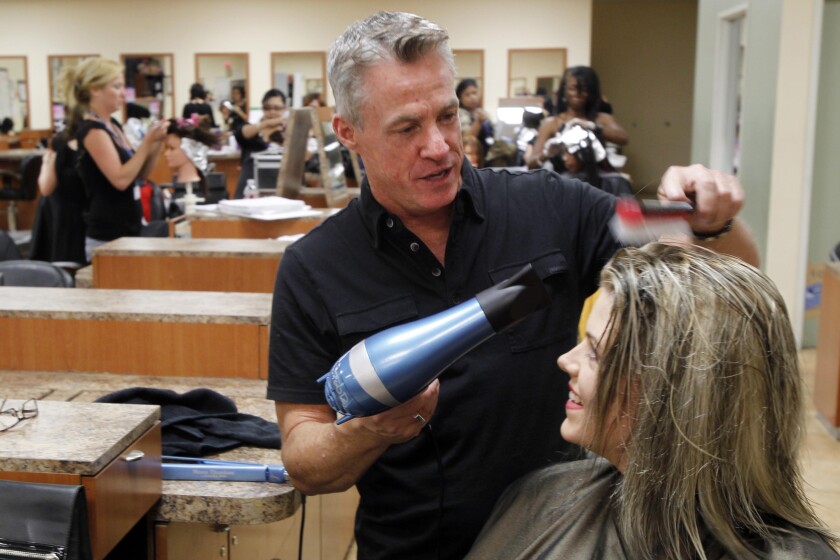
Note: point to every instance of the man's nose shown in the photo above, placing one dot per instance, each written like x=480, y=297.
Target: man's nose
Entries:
x=436, y=146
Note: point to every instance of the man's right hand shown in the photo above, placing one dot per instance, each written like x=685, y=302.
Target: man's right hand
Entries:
x=404, y=422
x=323, y=457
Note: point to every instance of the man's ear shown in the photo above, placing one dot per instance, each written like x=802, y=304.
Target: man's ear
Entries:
x=345, y=132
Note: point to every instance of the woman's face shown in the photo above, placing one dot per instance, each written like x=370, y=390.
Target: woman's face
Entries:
x=175, y=156
x=469, y=98
x=236, y=95
x=582, y=363
x=572, y=163
x=111, y=96
x=274, y=107
x=576, y=94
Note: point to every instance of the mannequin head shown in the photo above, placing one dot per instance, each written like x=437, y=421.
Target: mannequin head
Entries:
x=186, y=147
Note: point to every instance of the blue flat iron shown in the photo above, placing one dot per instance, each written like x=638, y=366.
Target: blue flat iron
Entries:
x=189, y=468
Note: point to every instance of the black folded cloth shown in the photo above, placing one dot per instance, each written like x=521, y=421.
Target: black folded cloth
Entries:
x=200, y=422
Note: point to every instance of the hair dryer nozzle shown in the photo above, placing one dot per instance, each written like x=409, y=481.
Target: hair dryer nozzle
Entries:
x=510, y=301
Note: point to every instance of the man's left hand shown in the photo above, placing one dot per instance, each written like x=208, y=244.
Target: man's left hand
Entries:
x=717, y=197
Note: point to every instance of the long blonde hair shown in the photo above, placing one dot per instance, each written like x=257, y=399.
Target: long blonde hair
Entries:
x=703, y=343
x=76, y=83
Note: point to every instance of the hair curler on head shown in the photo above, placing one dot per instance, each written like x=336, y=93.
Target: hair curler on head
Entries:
x=392, y=366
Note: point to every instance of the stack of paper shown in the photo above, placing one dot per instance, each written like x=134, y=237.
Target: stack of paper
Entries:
x=264, y=208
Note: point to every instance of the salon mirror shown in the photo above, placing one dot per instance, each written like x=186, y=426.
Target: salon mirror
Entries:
x=533, y=70
x=148, y=86
x=57, y=64
x=14, y=92
x=299, y=73
x=219, y=73
x=469, y=63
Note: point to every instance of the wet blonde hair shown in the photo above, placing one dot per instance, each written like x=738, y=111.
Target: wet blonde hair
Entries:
x=76, y=83
x=700, y=355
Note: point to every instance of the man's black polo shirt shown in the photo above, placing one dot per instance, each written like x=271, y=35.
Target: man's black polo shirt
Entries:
x=502, y=404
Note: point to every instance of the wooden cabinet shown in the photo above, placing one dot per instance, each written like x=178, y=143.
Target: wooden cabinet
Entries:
x=827, y=376
x=218, y=265
x=233, y=227
x=117, y=460
x=148, y=332
x=328, y=535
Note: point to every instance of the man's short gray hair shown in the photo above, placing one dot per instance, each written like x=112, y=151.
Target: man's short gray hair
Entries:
x=383, y=36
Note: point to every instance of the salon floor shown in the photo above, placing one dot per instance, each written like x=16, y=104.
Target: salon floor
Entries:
x=820, y=458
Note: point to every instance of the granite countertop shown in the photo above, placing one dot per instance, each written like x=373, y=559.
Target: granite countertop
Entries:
x=73, y=438
x=187, y=247
x=136, y=305
x=17, y=154
x=232, y=503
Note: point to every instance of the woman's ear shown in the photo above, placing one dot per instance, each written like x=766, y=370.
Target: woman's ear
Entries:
x=345, y=132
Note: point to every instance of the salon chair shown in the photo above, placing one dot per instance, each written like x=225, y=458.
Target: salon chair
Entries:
x=34, y=274
x=216, y=187
x=9, y=250
x=20, y=186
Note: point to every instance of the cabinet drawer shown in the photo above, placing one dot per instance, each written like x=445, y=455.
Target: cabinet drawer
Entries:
x=124, y=491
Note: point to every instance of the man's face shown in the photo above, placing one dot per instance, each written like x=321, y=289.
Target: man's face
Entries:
x=410, y=138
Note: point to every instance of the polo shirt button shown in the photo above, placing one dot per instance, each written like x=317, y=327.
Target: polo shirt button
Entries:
x=414, y=247
x=389, y=222
x=435, y=272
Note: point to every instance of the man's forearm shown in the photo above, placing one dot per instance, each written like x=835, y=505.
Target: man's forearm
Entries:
x=322, y=458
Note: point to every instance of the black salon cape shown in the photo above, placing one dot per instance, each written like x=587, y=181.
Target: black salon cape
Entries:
x=200, y=422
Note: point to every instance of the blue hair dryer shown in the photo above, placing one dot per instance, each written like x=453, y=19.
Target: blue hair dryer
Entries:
x=392, y=366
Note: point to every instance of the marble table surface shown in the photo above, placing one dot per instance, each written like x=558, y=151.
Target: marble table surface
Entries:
x=231, y=503
x=72, y=437
x=136, y=305
x=188, y=247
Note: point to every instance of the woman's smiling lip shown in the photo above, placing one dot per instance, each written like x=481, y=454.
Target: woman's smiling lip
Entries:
x=572, y=404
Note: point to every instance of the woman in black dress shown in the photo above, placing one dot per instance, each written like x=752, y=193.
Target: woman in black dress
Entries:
x=65, y=201
x=108, y=165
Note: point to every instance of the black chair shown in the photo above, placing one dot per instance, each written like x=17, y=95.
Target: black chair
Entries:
x=834, y=256
x=34, y=274
x=19, y=186
x=216, y=187
x=8, y=248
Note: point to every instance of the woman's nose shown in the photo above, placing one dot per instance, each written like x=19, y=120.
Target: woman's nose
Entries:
x=568, y=363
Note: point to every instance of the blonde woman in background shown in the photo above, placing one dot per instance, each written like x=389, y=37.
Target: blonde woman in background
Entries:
x=108, y=165
x=687, y=384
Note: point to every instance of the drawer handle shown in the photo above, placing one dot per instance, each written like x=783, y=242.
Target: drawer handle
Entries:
x=135, y=455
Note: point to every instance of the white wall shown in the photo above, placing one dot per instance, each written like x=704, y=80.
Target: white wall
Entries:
x=38, y=28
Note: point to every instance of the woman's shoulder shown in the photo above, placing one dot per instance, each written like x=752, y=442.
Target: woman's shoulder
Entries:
x=88, y=125
x=800, y=544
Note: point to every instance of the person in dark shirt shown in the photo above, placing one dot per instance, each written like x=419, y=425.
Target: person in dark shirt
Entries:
x=198, y=105
x=259, y=137
x=580, y=103
x=429, y=231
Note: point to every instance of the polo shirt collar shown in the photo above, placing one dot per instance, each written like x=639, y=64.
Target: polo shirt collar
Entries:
x=469, y=201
